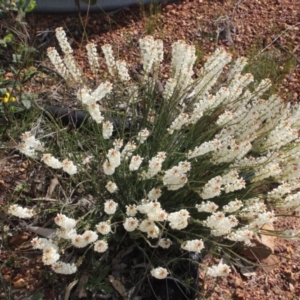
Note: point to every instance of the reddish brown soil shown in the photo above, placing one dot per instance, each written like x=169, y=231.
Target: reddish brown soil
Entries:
x=271, y=26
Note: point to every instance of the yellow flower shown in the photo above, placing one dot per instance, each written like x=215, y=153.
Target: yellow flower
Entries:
x=7, y=97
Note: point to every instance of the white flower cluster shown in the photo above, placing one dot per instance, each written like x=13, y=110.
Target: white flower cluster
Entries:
x=143, y=135
x=175, y=178
x=241, y=235
x=211, y=71
x=218, y=270
x=93, y=59
x=135, y=162
x=107, y=129
x=69, y=60
x=30, y=145
x=67, y=165
x=193, y=246
x=67, y=231
x=21, y=212
x=50, y=250
x=151, y=52
x=109, y=59
x=232, y=182
x=128, y=150
x=64, y=268
x=229, y=182
x=113, y=161
x=183, y=59
x=179, y=220
x=155, y=165
x=180, y=121
x=207, y=206
x=212, y=188
x=220, y=224
x=206, y=147
x=58, y=63
x=122, y=71
x=91, y=99
x=232, y=206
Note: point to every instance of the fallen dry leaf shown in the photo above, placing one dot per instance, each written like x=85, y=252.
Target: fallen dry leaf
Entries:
x=20, y=283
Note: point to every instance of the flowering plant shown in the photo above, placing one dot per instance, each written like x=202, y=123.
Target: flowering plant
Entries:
x=183, y=168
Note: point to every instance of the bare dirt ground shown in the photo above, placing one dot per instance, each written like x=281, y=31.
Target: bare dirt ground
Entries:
x=269, y=26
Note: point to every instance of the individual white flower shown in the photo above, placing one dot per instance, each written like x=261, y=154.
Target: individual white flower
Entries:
x=110, y=207
x=104, y=228
x=118, y=144
x=175, y=178
x=177, y=124
x=212, y=188
x=65, y=233
x=100, y=246
x=165, y=243
x=111, y=187
x=84, y=95
x=146, y=224
x=50, y=255
x=64, y=268
x=153, y=232
x=64, y=221
x=69, y=167
x=90, y=236
x=108, y=168
x=131, y=224
x=40, y=243
x=220, y=224
x=218, y=270
x=94, y=111
x=114, y=157
x=26, y=150
x=107, y=129
x=207, y=206
x=135, y=162
x=159, y=273
x=128, y=150
x=51, y=161
x=241, y=235
x=18, y=211
x=232, y=206
x=193, y=246
x=79, y=241
x=154, y=194
x=131, y=210
x=158, y=215
x=155, y=165
x=178, y=220
x=143, y=135
x=31, y=141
